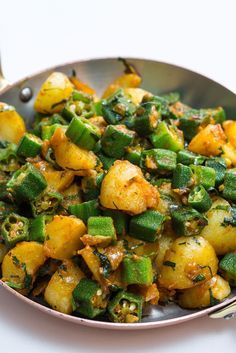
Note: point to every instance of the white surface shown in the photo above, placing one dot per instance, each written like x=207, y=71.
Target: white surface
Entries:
x=36, y=34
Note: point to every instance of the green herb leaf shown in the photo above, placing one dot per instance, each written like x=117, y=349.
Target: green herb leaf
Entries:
x=170, y=264
x=105, y=263
x=199, y=278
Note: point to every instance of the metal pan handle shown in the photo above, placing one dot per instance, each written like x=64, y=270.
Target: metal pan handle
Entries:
x=228, y=312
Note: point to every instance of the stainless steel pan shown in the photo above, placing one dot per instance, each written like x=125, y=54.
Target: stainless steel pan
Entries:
x=196, y=90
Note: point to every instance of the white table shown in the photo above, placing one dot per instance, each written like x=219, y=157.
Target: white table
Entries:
x=34, y=35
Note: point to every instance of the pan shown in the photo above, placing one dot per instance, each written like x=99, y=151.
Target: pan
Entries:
x=158, y=77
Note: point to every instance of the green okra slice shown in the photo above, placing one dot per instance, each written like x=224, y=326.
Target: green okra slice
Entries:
x=125, y=307
x=14, y=229
x=89, y=298
x=204, y=176
x=103, y=228
x=182, y=177
x=115, y=139
x=26, y=183
x=83, y=133
x=6, y=209
x=229, y=189
x=91, y=186
x=120, y=220
x=187, y=157
x=106, y=161
x=199, y=199
x=8, y=157
x=37, y=228
x=46, y=203
x=146, y=119
x=48, y=130
x=29, y=146
x=187, y=221
x=85, y=210
x=137, y=270
x=167, y=137
x=147, y=226
x=219, y=165
x=228, y=266
x=133, y=155
x=158, y=160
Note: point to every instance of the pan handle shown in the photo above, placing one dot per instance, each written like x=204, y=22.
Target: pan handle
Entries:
x=3, y=82
x=228, y=312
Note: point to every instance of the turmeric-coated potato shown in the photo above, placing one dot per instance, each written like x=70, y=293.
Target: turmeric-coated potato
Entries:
x=53, y=94
x=208, y=141
x=130, y=80
x=230, y=131
x=58, y=293
x=164, y=243
x=229, y=154
x=20, y=265
x=124, y=188
x=135, y=94
x=186, y=260
x=205, y=294
x=220, y=235
x=63, y=237
x=70, y=156
x=12, y=126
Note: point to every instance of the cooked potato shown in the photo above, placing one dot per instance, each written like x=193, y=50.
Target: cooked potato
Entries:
x=63, y=237
x=130, y=80
x=93, y=263
x=69, y=156
x=22, y=261
x=12, y=126
x=58, y=293
x=165, y=242
x=208, y=141
x=124, y=188
x=229, y=154
x=187, y=258
x=100, y=122
x=53, y=94
x=135, y=94
x=142, y=248
x=221, y=237
x=230, y=131
x=205, y=294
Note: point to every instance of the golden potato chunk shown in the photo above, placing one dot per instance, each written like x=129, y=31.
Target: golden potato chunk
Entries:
x=135, y=94
x=130, y=80
x=20, y=265
x=205, y=294
x=58, y=293
x=63, y=237
x=230, y=131
x=124, y=188
x=12, y=126
x=221, y=237
x=208, y=141
x=53, y=94
x=186, y=260
x=229, y=154
x=70, y=156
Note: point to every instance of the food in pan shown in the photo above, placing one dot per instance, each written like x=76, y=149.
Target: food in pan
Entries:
x=108, y=205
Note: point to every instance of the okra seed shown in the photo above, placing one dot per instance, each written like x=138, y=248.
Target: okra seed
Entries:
x=125, y=303
x=132, y=307
x=99, y=292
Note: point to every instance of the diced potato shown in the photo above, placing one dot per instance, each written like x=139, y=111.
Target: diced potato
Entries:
x=208, y=141
x=131, y=80
x=149, y=293
x=135, y=94
x=12, y=126
x=221, y=237
x=124, y=188
x=100, y=122
x=165, y=242
x=205, y=294
x=187, y=258
x=93, y=263
x=58, y=293
x=142, y=248
x=229, y=154
x=58, y=180
x=70, y=156
x=24, y=259
x=63, y=237
x=71, y=196
x=53, y=94
x=230, y=131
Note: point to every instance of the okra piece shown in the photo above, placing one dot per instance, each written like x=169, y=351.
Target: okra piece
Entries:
x=8, y=157
x=219, y=165
x=187, y=157
x=199, y=199
x=85, y=210
x=89, y=298
x=125, y=307
x=37, y=228
x=120, y=220
x=228, y=266
x=204, y=176
x=146, y=119
x=83, y=133
x=48, y=130
x=133, y=155
x=182, y=177
x=91, y=186
x=14, y=229
x=103, y=228
x=159, y=161
x=147, y=226
x=106, y=161
x=81, y=96
x=29, y=146
x=46, y=203
x=115, y=139
x=187, y=221
x=137, y=270
x=167, y=137
x=26, y=183
x=5, y=210
x=229, y=190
